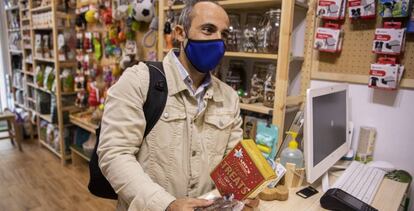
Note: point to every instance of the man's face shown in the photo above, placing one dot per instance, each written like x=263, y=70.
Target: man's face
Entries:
x=209, y=22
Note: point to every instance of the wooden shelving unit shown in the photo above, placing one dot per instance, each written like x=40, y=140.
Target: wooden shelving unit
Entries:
x=38, y=59
x=283, y=57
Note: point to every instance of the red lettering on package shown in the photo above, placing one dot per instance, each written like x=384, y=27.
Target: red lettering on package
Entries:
x=377, y=72
x=382, y=37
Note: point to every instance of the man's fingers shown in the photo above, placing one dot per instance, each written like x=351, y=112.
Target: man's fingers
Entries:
x=200, y=202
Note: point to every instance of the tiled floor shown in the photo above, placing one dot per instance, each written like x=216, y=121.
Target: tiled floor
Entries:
x=35, y=179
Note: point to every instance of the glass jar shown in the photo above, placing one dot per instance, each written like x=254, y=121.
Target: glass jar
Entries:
x=236, y=75
x=250, y=34
x=268, y=35
x=233, y=41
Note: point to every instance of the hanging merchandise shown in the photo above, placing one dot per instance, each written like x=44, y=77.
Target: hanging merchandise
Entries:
x=97, y=47
x=250, y=33
x=266, y=139
x=129, y=53
x=143, y=10
x=328, y=38
x=47, y=48
x=119, y=9
x=87, y=45
x=92, y=15
x=233, y=41
x=268, y=35
x=331, y=9
x=153, y=28
x=394, y=8
x=364, y=9
x=39, y=75
x=389, y=39
x=93, y=98
x=386, y=74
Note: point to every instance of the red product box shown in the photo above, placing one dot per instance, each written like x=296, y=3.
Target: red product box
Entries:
x=244, y=172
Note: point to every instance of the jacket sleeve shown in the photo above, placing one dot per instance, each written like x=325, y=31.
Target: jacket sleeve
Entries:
x=121, y=136
x=236, y=133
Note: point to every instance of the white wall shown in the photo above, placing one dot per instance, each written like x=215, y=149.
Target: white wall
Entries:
x=392, y=114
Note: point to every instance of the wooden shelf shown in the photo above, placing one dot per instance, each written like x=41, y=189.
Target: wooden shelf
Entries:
x=44, y=90
x=24, y=9
x=31, y=99
x=256, y=107
x=291, y=101
x=68, y=93
x=29, y=73
x=80, y=122
x=245, y=4
x=80, y=152
x=46, y=117
x=31, y=84
x=251, y=55
x=44, y=60
x=28, y=62
x=42, y=9
x=25, y=19
x=19, y=88
x=20, y=105
x=53, y=150
x=42, y=28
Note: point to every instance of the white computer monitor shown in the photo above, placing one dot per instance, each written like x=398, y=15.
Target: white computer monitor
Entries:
x=325, y=129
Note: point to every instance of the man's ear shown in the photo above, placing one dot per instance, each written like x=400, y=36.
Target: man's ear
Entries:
x=179, y=33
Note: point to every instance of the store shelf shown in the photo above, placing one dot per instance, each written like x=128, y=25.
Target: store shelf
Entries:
x=31, y=84
x=19, y=88
x=29, y=73
x=256, y=107
x=291, y=101
x=25, y=19
x=28, y=62
x=46, y=117
x=53, y=150
x=14, y=30
x=20, y=105
x=79, y=151
x=68, y=93
x=44, y=60
x=16, y=52
x=251, y=55
x=82, y=122
x=42, y=9
x=70, y=108
x=44, y=90
x=31, y=99
x=245, y=4
x=12, y=8
x=25, y=9
x=42, y=28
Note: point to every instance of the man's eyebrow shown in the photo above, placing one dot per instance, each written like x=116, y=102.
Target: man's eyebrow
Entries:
x=208, y=25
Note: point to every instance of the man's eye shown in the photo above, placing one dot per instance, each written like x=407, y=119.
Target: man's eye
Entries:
x=208, y=30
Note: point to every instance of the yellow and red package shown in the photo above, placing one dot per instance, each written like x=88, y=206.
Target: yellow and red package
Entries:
x=244, y=172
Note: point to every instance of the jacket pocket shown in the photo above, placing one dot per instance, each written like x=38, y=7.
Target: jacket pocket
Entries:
x=217, y=132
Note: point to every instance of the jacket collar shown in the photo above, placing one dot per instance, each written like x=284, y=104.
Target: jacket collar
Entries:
x=176, y=84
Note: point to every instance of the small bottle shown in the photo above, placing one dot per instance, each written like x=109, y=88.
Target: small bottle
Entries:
x=292, y=154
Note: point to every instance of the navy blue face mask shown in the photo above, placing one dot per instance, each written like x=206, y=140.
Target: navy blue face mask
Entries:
x=205, y=55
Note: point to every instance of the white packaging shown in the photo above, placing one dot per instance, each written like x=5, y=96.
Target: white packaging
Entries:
x=328, y=39
x=385, y=76
x=361, y=9
x=331, y=9
x=388, y=41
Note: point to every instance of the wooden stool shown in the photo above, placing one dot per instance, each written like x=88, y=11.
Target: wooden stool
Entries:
x=11, y=124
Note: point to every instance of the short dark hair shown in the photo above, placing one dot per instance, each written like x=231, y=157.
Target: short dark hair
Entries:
x=186, y=17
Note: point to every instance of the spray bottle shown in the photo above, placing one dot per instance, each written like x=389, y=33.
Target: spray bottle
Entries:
x=292, y=154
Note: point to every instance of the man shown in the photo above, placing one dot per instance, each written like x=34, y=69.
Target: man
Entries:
x=200, y=123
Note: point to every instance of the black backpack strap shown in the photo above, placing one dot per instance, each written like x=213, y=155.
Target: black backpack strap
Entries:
x=153, y=108
x=156, y=96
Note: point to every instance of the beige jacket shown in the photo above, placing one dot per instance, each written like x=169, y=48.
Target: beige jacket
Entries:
x=177, y=156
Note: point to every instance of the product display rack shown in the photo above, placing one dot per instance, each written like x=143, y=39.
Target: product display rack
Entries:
x=53, y=30
x=15, y=53
x=282, y=102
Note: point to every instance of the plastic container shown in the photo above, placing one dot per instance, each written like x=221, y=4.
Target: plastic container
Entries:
x=292, y=154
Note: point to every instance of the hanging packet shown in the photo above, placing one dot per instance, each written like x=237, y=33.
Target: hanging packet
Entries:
x=390, y=39
x=266, y=139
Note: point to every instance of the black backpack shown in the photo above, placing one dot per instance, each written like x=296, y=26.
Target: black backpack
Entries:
x=153, y=108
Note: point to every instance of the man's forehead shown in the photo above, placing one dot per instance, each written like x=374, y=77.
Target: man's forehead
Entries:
x=211, y=13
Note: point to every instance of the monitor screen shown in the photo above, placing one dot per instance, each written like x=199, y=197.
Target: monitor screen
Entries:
x=329, y=124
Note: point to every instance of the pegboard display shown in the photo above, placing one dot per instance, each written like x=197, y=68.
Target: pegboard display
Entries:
x=352, y=64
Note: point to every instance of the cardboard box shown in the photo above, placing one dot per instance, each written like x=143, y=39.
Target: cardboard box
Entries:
x=244, y=172
x=331, y=9
x=328, y=38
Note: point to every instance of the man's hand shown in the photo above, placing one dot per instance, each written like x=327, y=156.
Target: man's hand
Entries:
x=251, y=204
x=188, y=204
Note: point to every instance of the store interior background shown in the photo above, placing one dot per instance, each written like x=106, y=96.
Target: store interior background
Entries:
x=390, y=112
